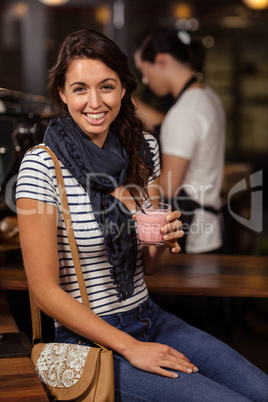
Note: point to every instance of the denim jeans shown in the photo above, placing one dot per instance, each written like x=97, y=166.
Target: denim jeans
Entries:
x=223, y=374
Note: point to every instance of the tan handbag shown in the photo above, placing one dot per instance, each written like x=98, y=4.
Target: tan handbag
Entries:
x=71, y=372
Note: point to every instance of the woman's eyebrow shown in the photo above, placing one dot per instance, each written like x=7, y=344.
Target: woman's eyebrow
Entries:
x=108, y=79
x=77, y=83
x=101, y=82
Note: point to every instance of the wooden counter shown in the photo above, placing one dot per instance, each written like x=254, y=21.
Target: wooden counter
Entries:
x=211, y=275
x=188, y=274
x=13, y=277
x=19, y=381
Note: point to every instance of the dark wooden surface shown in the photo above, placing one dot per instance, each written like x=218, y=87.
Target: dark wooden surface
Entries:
x=12, y=277
x=19, y=381
x=186, y=274
x=7, y=321
x=211, y=275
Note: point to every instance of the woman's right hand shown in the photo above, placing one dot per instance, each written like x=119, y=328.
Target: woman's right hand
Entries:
x=157, y=358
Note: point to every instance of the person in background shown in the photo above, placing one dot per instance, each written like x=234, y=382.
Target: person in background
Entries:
x=104, y=152
x=192, y=135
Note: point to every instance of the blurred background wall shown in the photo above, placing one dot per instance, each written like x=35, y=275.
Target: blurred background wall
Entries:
x=234, y=34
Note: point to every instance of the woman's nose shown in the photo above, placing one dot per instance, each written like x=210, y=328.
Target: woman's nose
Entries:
x=94, y=99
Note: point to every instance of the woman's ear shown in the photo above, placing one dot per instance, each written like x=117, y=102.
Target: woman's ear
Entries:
x=161, y=59
x=123, y=92
x=62, y=96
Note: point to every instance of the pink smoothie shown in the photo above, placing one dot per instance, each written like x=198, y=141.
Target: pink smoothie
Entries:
x=149, y=226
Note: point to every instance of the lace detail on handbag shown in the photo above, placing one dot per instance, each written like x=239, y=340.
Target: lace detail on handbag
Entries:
x=61, y=365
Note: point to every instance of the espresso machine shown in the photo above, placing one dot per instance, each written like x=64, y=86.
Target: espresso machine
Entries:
x=23, y=121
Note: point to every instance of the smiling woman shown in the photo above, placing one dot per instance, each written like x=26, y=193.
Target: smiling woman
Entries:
x=104, y=153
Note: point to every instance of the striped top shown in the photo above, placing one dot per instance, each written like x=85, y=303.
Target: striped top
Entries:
x=37, y=180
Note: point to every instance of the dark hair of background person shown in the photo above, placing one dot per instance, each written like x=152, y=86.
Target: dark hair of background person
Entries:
x=166, y=40
x=96, y=46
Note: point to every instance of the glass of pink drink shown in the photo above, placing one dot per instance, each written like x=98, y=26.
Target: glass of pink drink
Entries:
x=150, y=221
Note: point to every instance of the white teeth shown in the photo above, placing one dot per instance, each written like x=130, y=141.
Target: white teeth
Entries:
x=95, y=116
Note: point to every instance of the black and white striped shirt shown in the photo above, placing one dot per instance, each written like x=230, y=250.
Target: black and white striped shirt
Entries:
x=37, y=180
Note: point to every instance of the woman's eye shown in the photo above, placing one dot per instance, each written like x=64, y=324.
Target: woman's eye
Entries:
x=79, y=89
x=108, y=87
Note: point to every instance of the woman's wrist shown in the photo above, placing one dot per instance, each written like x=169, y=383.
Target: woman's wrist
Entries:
x=124, y=344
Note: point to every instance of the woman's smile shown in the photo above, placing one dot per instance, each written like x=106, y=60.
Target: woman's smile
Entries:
x=96, y=118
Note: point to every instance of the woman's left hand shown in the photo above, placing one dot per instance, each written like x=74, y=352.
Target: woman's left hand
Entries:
x=171, y=231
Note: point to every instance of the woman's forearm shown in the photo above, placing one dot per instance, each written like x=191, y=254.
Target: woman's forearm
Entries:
x=81, y=320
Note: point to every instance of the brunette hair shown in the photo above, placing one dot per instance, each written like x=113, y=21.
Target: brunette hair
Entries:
x=91, y=44
x=166, y=40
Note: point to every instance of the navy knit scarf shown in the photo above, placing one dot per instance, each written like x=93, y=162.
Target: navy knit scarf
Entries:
x=100, y=171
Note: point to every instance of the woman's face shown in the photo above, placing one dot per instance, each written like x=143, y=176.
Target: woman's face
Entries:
x=152, y=75
x=93, y=94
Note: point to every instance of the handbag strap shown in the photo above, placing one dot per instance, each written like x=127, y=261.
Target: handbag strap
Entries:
x=69, y=226
x=35, y=311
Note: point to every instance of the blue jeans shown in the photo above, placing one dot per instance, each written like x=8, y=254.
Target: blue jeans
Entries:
x=223, y=374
